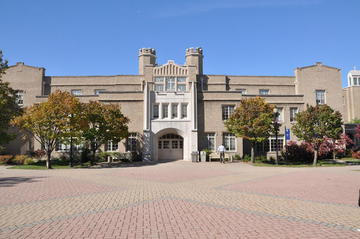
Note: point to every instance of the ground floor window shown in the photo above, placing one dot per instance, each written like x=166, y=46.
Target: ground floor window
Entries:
x=65, y=147
x=171, y=141
x=112, y=146
x=131, y=142
x=210, y=140
x=229, y=142
x=270, y=145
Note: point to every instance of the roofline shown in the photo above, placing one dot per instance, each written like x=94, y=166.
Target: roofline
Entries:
x=304, y=67
x=92, y=76
x=251, y=76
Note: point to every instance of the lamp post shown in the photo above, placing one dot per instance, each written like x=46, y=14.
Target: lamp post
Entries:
x=276, y=131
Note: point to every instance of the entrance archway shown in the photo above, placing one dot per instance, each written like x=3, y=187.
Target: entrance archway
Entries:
x=170, y=147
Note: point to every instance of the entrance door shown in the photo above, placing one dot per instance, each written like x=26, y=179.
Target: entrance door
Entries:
x=170, y=147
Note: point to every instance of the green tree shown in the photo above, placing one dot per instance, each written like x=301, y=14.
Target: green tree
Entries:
x=252, y=120
x=8, y=105
x=48, y=121
x=315, y=124
x=103, y=123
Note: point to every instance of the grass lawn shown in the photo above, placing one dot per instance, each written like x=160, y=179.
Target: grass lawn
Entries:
x=321, y=163
x=42, y=165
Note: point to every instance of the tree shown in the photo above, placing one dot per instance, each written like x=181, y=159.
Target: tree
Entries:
x=49, y=121
x=252, y=120
x=103, y=123
x=8, y=105
x=335, y=145
x=315, y=124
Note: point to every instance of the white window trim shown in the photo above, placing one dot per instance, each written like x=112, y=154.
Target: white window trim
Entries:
x=223, y=138
x=207, y=138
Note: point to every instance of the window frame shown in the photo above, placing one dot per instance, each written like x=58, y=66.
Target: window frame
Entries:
x=263, y=90
x=318, y=101
x=211, y=136
x=229, y=136
x=226, y=112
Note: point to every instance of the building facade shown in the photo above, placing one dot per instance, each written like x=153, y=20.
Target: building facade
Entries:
x=178, y=109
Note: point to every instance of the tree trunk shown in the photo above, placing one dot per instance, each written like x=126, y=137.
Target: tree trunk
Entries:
x=334, y=155
x=315, y=157
x=252, y=153
x=92, y=161
x=48, y=160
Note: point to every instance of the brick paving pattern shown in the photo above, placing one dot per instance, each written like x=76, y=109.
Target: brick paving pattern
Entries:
x=181, y=200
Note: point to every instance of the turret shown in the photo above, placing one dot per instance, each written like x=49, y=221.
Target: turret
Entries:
x=147, y=57
x=194, y=57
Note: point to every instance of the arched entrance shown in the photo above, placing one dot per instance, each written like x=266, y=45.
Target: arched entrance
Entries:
x=170, y=147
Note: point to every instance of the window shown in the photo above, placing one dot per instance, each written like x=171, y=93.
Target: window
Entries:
x=62, y=147
x=227, y=110
x=112, y=146
x=159, y=84
x=181, y=84
x=97, y=91
x=242, y=91
x=293, y=112
x=131, y=142
x=264, y=91
x=156, y=111
x=356, y=81
x=166, y=144
x=170, y=83
x=229, y=142
x=174, y=144
x=273, y=144
x=174, y=111
x=165, y=111
x=210, y=141
x=320, y=97
x=20, y=97
x=184, y=111
x=280, y=117
x=76, y=92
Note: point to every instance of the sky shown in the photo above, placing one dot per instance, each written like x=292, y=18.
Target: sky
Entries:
x=238, y=37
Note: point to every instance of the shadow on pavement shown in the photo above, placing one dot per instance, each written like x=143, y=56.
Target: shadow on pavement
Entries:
x=12, y=181
x=135, y=164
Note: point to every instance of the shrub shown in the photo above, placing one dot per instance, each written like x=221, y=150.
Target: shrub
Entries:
x=302, y=153
x=20, y=159
x=237, y=157
x=356, y=155
x=5, y=159
x=246, y=158
x=29, y=161
x=39, y=153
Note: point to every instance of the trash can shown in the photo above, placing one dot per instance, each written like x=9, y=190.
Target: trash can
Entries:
x=195, y=156
x=203, y=156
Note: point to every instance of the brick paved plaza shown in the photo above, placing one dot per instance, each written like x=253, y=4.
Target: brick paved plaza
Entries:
x=181, y=200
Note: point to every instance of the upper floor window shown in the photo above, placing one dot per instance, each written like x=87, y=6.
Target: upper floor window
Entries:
x=165, y=110
x=280, y=117
x=242, y=91
x=131, y=142
x=20, y=97
x=97, y=91
x=227, y=110
x=76, y=92
x=356, y=81
x=184, y=110
x=170, y=84
x=293, y=112
x=264, y=91
x=174, y=111
x=320, y=97
x=156, y=111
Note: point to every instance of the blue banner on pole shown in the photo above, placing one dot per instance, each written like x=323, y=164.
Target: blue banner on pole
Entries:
x=287, y=134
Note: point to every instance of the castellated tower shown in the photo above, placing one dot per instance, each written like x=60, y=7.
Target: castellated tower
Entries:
x=147, y=57
x=194, y=57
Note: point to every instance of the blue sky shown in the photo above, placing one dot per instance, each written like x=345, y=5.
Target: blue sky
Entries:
x=239, y=37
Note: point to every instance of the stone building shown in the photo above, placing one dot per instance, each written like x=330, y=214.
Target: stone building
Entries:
x=177, y=109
